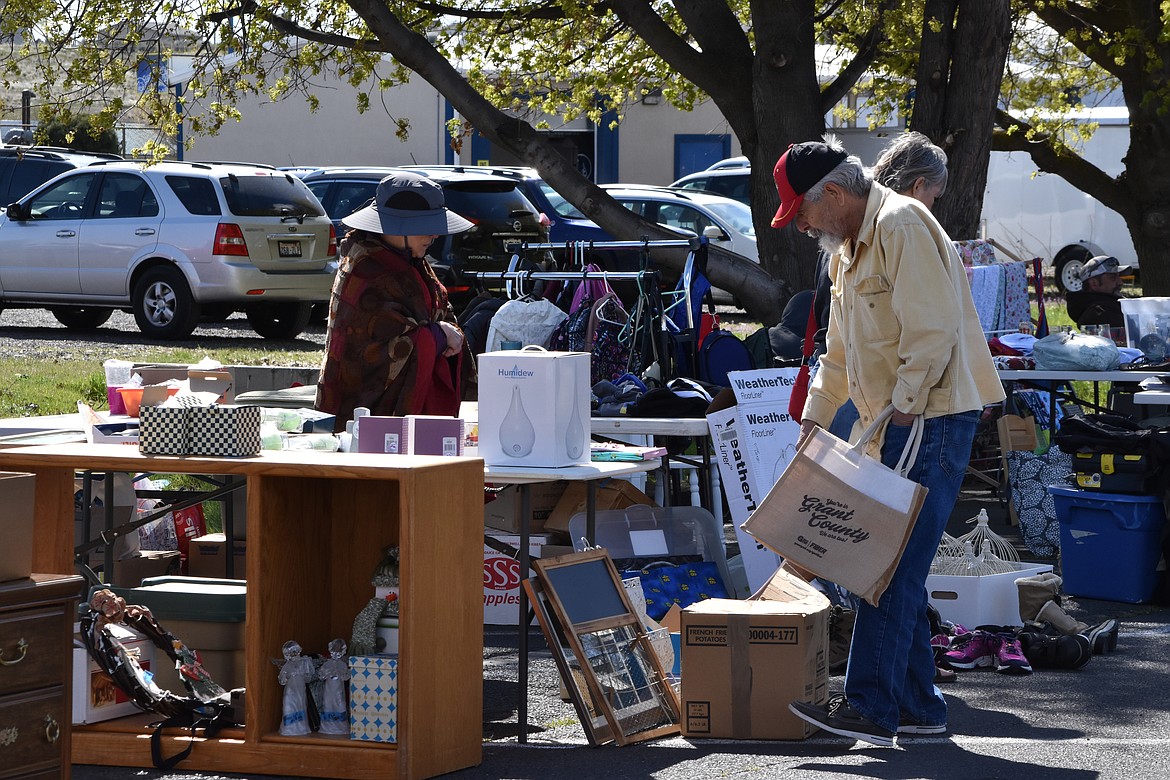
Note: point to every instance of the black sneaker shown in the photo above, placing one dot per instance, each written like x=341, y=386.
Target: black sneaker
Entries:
x=906, y=725
x=1049, y=649
x=838, y=717
x=1103, y=636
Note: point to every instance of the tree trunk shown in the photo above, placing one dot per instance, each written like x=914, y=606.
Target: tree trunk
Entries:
x=1148, y=184
x=958, y=84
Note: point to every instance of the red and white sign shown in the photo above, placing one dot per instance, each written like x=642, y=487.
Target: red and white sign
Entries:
x=501, y=579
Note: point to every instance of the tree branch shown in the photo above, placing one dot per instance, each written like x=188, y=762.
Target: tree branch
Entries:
x=1052, y=156
x=867, y=52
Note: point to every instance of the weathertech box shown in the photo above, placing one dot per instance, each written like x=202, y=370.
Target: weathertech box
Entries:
x=744, y=661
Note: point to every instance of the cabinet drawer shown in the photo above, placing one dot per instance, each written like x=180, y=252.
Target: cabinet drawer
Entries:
x=33, y=729
x=33, y=648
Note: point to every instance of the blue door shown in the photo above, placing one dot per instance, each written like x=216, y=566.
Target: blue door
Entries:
x=697, y=152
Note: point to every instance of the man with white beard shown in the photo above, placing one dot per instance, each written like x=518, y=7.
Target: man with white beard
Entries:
x=902, y=331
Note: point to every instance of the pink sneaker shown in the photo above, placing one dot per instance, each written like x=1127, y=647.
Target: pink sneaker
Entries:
x=973, y=650
x=1009, y=658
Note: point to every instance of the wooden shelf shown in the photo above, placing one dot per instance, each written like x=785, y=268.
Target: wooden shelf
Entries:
x=317, y=523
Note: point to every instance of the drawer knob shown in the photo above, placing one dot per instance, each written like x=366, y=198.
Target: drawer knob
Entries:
x=52, y=729
x=22, y=646
x=8, y=736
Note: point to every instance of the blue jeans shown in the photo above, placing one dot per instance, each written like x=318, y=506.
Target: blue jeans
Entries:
x=891, y=664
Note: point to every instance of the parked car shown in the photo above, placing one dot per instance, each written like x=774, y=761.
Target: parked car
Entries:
x=503, y=217
x=24, y=168
x=727, y=222
x=730, y=163
x=729, y=182
x=168, y=242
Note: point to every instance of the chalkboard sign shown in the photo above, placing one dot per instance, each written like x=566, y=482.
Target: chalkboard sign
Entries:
x=586, y=591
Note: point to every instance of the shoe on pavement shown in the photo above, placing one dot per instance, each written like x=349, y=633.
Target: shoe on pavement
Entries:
x=1103, y=636
x=837, y=716
x=1010, y=658
x=907, y=725
x=973, y=650
x=1049, y=649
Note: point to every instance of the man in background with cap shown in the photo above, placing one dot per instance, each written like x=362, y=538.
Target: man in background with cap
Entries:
x=903, y=331
x=1099, y=300
x=393, y=345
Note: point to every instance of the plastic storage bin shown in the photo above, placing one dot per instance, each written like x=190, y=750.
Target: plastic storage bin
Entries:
x=657, y=533
x=206, y=614
x=1110, y=544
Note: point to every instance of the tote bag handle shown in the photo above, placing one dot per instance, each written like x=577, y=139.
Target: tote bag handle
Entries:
x=909, y=452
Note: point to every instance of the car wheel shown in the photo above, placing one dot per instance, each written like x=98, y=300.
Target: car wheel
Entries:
x=163, y=305
x=284, y=320
x=81, y=317
x=1068, y=269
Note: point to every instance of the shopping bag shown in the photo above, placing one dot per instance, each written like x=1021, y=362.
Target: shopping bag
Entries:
x=840, y=513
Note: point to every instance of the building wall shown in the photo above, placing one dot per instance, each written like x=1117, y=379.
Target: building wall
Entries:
x=286, y=133
x=647, y=133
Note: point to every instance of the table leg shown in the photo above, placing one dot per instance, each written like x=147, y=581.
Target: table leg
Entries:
x=522, y=620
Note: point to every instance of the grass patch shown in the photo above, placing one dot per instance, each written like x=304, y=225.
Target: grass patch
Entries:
x=35, y=387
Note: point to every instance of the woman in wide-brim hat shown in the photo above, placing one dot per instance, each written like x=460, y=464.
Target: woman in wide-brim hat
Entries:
x=393, y=344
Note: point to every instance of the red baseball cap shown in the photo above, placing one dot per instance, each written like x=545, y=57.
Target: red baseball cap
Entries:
x=797, y=171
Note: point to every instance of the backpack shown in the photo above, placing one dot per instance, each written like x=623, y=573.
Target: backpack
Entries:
x=721, y=352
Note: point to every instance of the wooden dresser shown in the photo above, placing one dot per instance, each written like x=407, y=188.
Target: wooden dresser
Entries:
x=36, y=631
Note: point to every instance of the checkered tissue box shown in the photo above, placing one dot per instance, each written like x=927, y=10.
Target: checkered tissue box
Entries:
x=163, y=431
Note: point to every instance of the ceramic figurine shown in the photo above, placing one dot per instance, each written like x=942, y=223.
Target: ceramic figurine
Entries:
x=335, y=672
x=294, y=676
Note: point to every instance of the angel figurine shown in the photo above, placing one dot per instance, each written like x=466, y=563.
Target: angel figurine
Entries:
x=335, y=672
x=294, y=676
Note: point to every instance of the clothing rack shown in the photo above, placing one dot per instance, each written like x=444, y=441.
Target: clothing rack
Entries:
x=649, y=308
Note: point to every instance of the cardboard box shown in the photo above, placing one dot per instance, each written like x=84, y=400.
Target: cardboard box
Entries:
x=164, y=430
x=744, y=661
x=501, y=580
x=990, y=599
x=130, y=572
x=95, y=696
x=504, y=512
x=224, y=430
x=610, y=494
x=207, y=556
x=376, y=433
x=115, y=433
x=534, y=408
x=218, y=381
x=434, y=435
x=373, y=698
x=17, y=495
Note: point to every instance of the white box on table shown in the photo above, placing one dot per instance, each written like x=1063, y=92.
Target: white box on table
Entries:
x=501, y=579
x=989, y=599
x=373, y=698
x=95, y=696
x=534, y=408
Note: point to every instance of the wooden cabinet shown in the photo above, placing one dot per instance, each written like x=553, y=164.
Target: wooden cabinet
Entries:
x=36, y=631
x=317, y=523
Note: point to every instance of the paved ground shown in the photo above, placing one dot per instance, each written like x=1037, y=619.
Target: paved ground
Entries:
x=1107, y=721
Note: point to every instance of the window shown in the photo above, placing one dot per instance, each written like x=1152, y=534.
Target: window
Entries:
x=196, y=194
x=269, y=196
x=125, y=195
x=63, y=200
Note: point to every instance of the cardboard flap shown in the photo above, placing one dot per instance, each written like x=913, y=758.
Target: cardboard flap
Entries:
x=218, y=382
x=787, y=588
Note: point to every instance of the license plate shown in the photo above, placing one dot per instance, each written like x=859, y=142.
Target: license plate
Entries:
x=288, y=248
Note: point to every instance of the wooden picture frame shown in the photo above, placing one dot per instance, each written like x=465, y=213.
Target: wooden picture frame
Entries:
x=584, y=604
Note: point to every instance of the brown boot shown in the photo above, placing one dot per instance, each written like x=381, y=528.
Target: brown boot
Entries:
x=1054, y=615
x=1035, y=592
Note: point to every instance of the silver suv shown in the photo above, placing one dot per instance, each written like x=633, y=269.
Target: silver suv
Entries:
x=169, y=242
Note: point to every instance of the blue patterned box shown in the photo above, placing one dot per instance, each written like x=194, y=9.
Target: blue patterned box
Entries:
x=373, y=698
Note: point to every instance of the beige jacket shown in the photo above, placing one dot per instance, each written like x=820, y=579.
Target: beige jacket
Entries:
x=902, y=325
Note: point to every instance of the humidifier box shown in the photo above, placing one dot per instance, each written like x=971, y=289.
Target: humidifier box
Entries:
x=534, y=408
